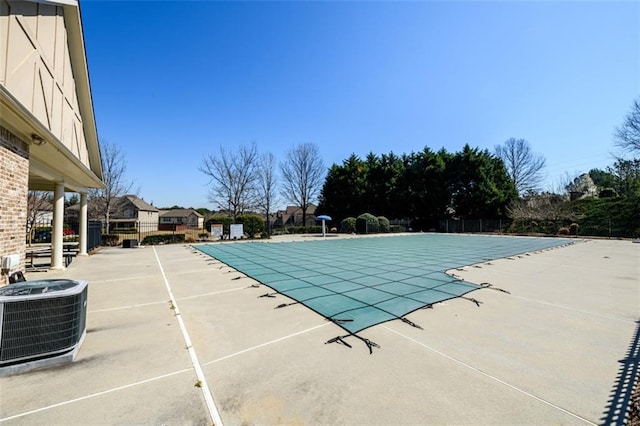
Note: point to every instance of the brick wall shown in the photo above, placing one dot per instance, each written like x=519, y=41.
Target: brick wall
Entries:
x=14, y=181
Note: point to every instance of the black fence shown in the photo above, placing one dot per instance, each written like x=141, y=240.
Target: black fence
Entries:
x=41, y=233
x=94, y=234
x=472, y=225
x=118, y=232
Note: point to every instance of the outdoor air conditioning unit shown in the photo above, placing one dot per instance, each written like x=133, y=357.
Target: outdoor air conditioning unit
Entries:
x=42, y=323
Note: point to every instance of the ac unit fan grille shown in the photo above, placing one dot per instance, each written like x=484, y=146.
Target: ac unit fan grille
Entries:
x=42, y=326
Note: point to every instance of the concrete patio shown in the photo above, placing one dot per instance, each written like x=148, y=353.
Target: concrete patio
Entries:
x=175, y=337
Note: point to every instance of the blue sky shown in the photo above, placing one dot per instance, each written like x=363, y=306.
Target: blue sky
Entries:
x=173, y=81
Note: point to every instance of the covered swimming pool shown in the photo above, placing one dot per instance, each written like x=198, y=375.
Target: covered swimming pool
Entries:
x=360, y=282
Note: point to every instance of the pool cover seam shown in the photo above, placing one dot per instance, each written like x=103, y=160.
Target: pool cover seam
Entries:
x=255, y=262
x=338, y=321
x=331, y=318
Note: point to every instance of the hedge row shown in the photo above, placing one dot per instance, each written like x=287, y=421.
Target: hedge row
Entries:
x=124, y=230
x=367, y=223
x=110, y=240
x=163, y=239
x=603, y=217
x=252, y=224
x=315, y=229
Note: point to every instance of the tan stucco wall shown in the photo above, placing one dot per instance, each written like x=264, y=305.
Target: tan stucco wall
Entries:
x=35, y=67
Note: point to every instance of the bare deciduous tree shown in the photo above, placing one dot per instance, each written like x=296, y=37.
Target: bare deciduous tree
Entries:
x=302, y=175
x=114, y=169
x=546, y=207
x=524, y=166
x=37, y=202
x=233, y=178
x=267, y=183
x=627, y=136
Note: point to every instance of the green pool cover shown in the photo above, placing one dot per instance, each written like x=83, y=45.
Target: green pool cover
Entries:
x=361, y=282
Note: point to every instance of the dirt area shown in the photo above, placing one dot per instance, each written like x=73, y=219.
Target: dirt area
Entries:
x=634, y=407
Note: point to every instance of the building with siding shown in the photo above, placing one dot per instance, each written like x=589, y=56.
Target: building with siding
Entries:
x=131, y=211
x=181, y=218
x=48, y=137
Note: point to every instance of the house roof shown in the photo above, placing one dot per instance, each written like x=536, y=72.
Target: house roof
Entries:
x=297, y=210
x=139, y=203
x=179, y=213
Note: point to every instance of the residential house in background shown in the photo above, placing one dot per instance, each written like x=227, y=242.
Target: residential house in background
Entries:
x=292, y=216
x=43, y=216
x=39, y=220
x=177, y=219
x=130, y=211
x=72, y=213
x=582, y=187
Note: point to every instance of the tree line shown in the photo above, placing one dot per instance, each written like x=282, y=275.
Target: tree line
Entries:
x=423, y=187
x=243, y=181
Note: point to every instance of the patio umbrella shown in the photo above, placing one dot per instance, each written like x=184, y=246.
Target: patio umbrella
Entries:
x=323, y=217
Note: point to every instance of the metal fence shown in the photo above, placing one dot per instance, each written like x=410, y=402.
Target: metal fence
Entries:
x=472, y=225
x=94, y=234
x=40, y=232
x=119, y=232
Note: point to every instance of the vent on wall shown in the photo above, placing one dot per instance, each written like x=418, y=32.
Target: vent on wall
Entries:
x=42, y=323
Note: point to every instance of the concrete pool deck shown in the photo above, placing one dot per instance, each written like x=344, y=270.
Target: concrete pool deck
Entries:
x=554, y=351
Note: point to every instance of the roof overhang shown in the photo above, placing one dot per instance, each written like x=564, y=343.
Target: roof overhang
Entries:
x=50, y=162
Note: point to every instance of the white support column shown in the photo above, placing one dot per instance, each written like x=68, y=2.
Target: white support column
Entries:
x=56, y=234
x=83, y=225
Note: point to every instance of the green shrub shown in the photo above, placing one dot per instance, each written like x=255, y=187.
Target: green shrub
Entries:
x=110, y=240
x=348, y=225
x=316, y=229
x=607, y=193
x=383, y=224
x=397, y=228
x=528, y=226
x=163, y=239
x=252, y=224
x=367, y=223
x=609, y=217
x=124, y=231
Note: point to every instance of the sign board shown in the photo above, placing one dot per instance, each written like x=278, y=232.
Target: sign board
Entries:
x=236, y=231
x=216, y=230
